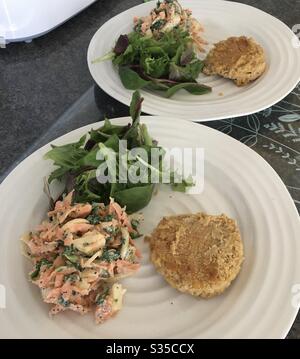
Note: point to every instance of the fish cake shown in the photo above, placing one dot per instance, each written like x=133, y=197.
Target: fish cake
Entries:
x=240, y=59
x=197, y=254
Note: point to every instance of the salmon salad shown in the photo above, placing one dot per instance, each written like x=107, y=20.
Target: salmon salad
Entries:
x=167, y=16
x=79, y=255
x=162, y=53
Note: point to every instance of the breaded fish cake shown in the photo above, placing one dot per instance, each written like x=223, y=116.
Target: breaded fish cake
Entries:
x=240, y=59
x=162, y=238
x=197, y=254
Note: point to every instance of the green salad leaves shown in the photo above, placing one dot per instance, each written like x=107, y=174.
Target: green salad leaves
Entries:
x=167, y=64
x=78, y=164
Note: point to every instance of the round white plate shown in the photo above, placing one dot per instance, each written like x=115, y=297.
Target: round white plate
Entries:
x=221, y=20
x=238, y=182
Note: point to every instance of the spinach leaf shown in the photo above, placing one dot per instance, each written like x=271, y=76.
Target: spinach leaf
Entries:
x=130, y=79
x=134, y=198
x=146, y=138
x=84, y=190
x=66, y=157
x=112, y=142
x=188, y=73
x=106, y=131
x=66, y=154
x=132, y=135
x=135, y=107
x=90, y=158
x=192, y=87
x=58, y=174
x=157, y=86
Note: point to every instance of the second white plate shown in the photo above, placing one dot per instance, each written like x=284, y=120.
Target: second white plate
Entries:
x=238, y=182
x=221, y=19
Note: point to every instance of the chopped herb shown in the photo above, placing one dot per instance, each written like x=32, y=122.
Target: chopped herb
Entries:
x=63, y=302
x=73, y=277
x=93, y=218
x=107, y=218
x=158, y=24
x=101, y=297
x=38, y=266
x=110, y=255
x=44, y=262
x=138, y=26
x=111, y=230
x=69, y=254
x=95, y=206
x=135, y=235
x=135, y=223
x=75, y=265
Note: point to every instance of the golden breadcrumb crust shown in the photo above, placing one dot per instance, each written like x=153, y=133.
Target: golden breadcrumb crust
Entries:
x=198, y=254
x=240, y=59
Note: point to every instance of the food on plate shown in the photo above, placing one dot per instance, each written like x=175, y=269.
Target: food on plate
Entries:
x=161, y=53
x=198, y=254
x=167, y=16
x=80, y=253
x=86, y=245
x=240, y=59
x=78, y=163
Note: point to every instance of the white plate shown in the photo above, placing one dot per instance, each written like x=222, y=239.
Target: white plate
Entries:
x=221, y=19
x=238, y=182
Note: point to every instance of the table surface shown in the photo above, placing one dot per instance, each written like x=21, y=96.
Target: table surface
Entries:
x=274, y=133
